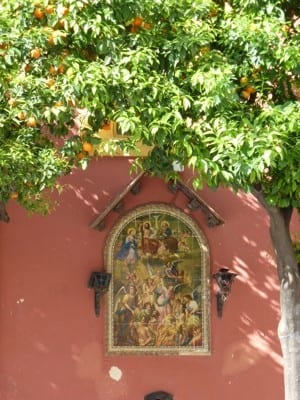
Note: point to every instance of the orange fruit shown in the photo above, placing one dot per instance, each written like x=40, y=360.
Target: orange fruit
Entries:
x=133, y=29
x=21, y=116
x=61, y=69
x=49, y=9
x=88, y=147
x=245, y=94
x=12, y=102
x=250, y=89
x=146, y=25
x=56, y=34
x=205, y=50
x=50, y=82
x=35, y=53
x=71, y=102
x=27, y=68
x=61, y=23
x=51, y=40
x=64, y=10
x=52, y=70
x=137, y=21
x=106, y=126
x=31, y=122
x=38, y=13
x=243, y=80
x=285, y=28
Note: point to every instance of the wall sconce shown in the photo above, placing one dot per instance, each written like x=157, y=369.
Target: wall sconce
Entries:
x=224, y=280
x=158, y=396
x=99, y=281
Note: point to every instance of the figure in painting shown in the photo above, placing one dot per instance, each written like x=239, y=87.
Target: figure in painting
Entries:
x=143, y=333
x=125, y=311
x=132, y=279
x=129, y=249
x=167, y=332
x=148, y=231
x=191, y=306
x=171, y=273
x=149, y=243
x=165, y=230
x=194, y=335
x=168, y=242
x=183, y=245
x=164, y=295
x=148, y=291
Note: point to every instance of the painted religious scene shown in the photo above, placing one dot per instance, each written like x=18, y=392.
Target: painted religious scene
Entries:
x=159, y=299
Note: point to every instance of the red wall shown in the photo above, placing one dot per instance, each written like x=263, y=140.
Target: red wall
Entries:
x=51, y=343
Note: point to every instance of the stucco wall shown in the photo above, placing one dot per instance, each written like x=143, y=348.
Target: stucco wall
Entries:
x=51, y=344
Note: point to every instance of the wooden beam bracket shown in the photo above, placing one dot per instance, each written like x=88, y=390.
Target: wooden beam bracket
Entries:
x=119, y=207
x=196, y=202
x=118, y=203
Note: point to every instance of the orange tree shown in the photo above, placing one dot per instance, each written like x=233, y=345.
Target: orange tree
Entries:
x=213, y=85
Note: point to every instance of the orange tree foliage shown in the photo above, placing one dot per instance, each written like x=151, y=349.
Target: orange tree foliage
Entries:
x=210, y=84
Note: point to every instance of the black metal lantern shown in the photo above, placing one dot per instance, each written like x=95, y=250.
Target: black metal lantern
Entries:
x=224, y=279
x=99, y=281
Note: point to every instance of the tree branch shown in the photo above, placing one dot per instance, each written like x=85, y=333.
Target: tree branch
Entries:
x=3, y=213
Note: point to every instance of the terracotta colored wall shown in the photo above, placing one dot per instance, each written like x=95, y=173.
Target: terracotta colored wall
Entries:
x=51, y=344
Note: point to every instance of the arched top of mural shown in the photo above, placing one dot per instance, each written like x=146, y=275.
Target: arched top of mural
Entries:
x=158, y=300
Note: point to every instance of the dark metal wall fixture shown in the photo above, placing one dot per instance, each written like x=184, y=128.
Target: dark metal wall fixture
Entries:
x=158, y=396
x=224, y=279
x=99, y=281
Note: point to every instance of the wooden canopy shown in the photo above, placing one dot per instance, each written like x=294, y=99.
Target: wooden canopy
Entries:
x=195, y=202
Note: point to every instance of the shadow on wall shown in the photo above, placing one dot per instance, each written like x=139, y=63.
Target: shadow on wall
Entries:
x=254, y=301
x=92, y=192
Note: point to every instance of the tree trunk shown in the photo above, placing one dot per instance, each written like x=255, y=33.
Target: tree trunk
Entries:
x=288, y=273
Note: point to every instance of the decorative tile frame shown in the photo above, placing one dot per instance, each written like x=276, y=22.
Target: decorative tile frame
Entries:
x=159, y=297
